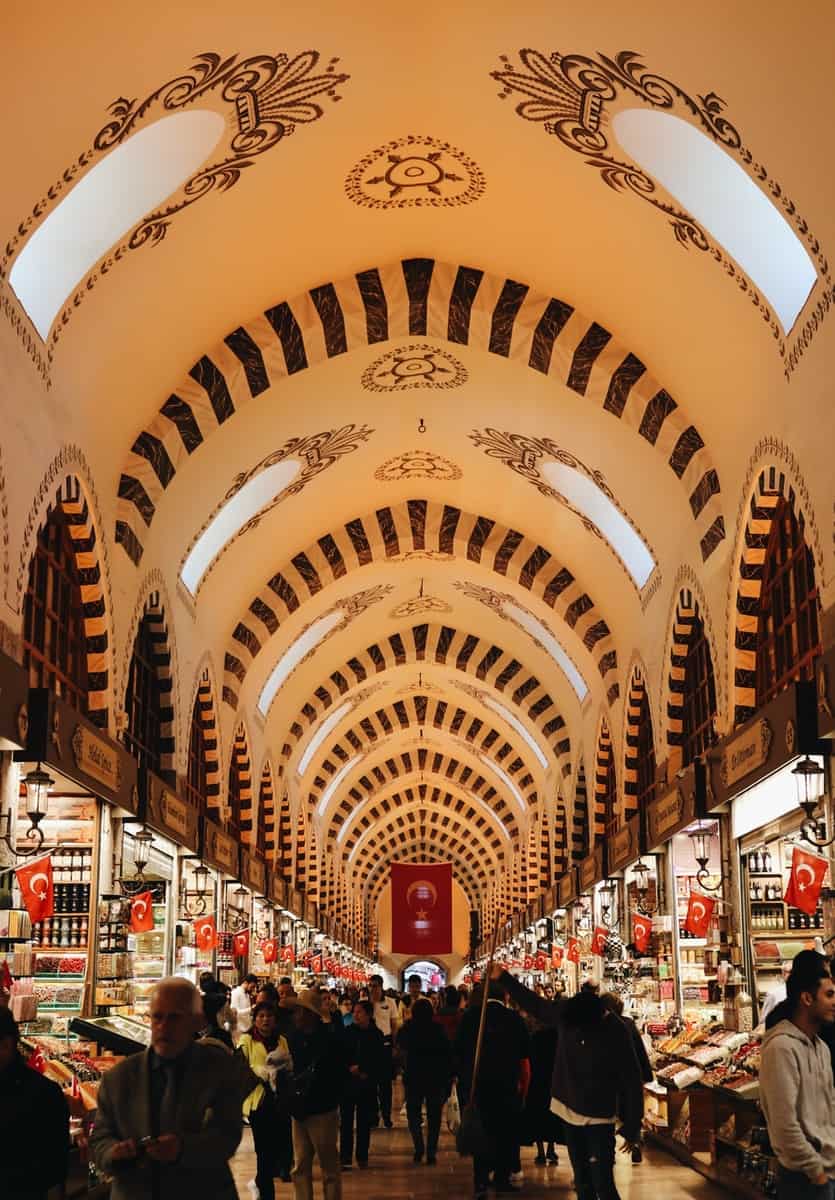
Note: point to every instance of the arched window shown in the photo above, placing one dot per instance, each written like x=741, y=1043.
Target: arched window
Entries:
x=144, y=702
x=53, y=616
x=699, y=697
x=196, y=788
x=788, y=629
x=645, y=757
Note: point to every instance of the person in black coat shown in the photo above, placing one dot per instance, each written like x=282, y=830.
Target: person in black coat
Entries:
x=34, y=1123
x=424, y=1045
x=539, y=1123
x=366, y=1054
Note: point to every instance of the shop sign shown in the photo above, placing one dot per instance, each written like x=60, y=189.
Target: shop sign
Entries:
x=220, y=850
x=745, y=753
x=311, y=914
x=591, y=869
x=278, y=891
x=677, y=807
x=96, y=758
x=168, y=813
x=567, y=888
x=254, y=873
x=625, y=845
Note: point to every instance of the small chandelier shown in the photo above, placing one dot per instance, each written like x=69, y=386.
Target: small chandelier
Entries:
x=607, y=893
x=809, y=783
x=38, y=784
x=700, y=836
x=641, y=871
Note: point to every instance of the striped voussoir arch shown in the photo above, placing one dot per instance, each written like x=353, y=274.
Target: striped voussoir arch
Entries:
x=154, y=616
x=422, y=840
x=313, y=865
x=390, y=806
x=416, y=526
x=204, y=703
x=300, y=858
x=266, y=839
x=399, y=767
x=416, y=297
x=546, y=877
x=771, y=487
x=457, y=649
x=530, y=864
x=472, y=889
x=71, y=502
x=560, y=841
x=284, y=851
x=580, y=845
x=637, y=715
x=686, y=618
x=240, y=785
x=603, y=800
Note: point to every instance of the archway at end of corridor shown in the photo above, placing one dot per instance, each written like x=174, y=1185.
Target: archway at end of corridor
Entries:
x=433, y=975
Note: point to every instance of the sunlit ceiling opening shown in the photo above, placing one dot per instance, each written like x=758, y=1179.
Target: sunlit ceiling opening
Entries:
x=583, y=494
x=516, y=724
x=104, y=205
x=288, y=662
x=330, y=790
x=227, y=523
x=537, y=630
x=320, y=735
x=715, y=189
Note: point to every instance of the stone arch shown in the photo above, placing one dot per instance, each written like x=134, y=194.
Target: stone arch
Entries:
x=580, y=825
x=638, y=708
x=284, y=840
x=687, y=581
x=153, y=600
x=417, y=297
x=204, y=697
x=688, y=611
x=266, y=814
x=604, y=764
x=240, y=761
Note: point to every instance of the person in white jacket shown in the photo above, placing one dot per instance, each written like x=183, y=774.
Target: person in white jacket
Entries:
x=797, y=1092
x=242, y=1000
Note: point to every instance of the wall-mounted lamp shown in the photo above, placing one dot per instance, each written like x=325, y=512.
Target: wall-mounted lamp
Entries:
x=237, y=914
x=38, y=784
x=808, y=782
x=641, y=871
x=700, y=837
x=193, y=902
x=607, y=892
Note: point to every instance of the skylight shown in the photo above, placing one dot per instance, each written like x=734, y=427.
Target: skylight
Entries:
x=293, y=656
x=232, y=517
x=715, y=189
x=542, y=634
x=105, y=204
x=320, y=735
x=335, y=782
x=593, y=503
x=516, y=724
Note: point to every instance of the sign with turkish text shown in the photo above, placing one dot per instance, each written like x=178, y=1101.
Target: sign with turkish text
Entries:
x=221, y=850
x=168, y=813
x=36, y=891
x=699, y=912
x=141, y=913
x=591, y=869
x=421, y=908
x=805, y=881
x=254, y=872
x=568, y=888
x=625, y=845
x=677, y=807
x=744, y=753
x=278, y=890
x=97, y=757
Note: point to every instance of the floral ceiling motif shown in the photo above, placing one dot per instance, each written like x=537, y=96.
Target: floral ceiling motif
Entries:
x=414, y=172
x=414, y=366
x=418, y=464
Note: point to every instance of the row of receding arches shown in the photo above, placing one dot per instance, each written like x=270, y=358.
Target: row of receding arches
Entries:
x=65, y=633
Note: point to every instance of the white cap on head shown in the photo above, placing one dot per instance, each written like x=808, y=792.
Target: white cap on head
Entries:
x=191, y=996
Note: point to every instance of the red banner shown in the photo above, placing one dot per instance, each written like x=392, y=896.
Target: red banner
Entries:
x=573, y=951
x=205, y=933
x=541, y=961
x=421, y=908
x=241, y=944
x=598, y=941
x=528, y=962
x=806, y=880
x=316, y=964
x=557, y=954
x=699, y=911
x=35, y=883
x=288, y=954
x=641, y=932
x=141, y=913
x=269, y=950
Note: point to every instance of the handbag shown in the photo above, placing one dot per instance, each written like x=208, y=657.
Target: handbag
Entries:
x=453, y=1111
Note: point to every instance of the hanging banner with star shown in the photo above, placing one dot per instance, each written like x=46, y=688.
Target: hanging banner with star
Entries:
x=421, y=908
x=806, y=880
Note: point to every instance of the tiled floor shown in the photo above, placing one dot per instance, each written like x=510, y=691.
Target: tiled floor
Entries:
x=393, y=1176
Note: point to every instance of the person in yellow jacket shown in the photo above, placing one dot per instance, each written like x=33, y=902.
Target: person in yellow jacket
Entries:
x=268, y=1056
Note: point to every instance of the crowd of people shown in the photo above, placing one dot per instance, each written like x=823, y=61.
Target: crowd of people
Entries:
x=311, y=1073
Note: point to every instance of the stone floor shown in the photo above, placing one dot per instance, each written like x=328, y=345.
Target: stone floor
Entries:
x=393, y=1176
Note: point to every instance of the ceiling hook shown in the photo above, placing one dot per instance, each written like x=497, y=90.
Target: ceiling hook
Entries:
x=421, y=426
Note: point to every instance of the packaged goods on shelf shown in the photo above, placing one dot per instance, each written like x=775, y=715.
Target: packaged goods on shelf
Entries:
x=15, y=923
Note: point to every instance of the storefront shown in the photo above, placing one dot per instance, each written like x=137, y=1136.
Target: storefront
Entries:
x=197, y=940
x=254, y=880
x=646, y=973
x=566, y=895
x=585, y=911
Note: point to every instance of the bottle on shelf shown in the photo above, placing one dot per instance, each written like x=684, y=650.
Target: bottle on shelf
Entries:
x=766, y=860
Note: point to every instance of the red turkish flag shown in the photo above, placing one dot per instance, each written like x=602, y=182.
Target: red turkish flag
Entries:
x=269, y=950
x=36, y=890
x=141, y=913
x=806, y=880
x=421, y=908
x=241, y=944
x=316, y=964
x=205, y=933
x=288, y=954
x=557, y=955
x=641, y=932
x=699, y=912
x=598, y=941
x=541, y=962
x=573, y=952
x=528, y=962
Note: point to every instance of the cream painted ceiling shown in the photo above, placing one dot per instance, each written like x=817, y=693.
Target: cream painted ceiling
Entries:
x=538, y=215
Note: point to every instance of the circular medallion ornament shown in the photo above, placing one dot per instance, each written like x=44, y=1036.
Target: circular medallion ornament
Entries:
x=415, y=366
x=414, y=172
x=417, y=464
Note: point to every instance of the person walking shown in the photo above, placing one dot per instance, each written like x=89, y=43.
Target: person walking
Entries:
x=615, y=1004
x=34, y=1123
x=428, y=1072
x=596, y=1079
x=540, y=1125
x=242, y=1001
x=268, y=1056
x=449, y=1013
x=414, y=989
x=503, y=1074
x=796, y=1086
x=364, y=1045
x=386, y=1020
x=214, y=1003
x=169, y=1118
x=319, y=1079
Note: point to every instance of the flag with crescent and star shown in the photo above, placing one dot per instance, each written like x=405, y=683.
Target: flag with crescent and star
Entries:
x=573, y=951
x=421, y=908
x=269, y=950
x=641, y=932
x=557, y=955
x=806, y=880
x=205, y=933
x=141, y=913
x=598, y=941
x=36, y=891
x=699, y=912
x=241, y=944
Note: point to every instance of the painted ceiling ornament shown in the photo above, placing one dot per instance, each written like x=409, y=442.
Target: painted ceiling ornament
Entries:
x=574, y=96
x=415, y=172
x=415, y=366
x=420, y=604
x=418, y=464
x=262, y=98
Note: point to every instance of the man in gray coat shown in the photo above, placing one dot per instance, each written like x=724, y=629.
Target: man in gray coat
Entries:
x=170, y=1118
x=796, y=1086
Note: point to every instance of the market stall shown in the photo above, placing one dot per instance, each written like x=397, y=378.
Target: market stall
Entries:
x=200, y=876
x=590, y=872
